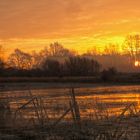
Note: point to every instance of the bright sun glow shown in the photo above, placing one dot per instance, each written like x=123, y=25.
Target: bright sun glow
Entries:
x=76, y=24
x=137, y=63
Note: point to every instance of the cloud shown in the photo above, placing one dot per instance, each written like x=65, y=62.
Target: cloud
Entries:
x=43, y=18
x=68, y=19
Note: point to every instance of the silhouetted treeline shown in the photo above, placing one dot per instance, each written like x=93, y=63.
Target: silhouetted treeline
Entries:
x=1, y=67
x=72, y=66
x=57, y=61
x=107, y=75
x=53, y=61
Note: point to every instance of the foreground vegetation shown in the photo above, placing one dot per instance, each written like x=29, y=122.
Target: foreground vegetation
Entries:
x=69, y=123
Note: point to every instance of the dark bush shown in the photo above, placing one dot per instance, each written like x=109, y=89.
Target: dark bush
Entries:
x=108, y=74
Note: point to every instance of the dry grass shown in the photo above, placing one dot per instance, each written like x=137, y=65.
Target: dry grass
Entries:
x=68, y=124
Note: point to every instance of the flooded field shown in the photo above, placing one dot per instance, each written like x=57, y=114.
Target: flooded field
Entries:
x=107, y=99
x=96, y=104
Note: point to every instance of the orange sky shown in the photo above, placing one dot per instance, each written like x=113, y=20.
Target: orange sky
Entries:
x=77, y=24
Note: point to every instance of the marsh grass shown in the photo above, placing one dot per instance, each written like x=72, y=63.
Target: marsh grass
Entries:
x=31, y=120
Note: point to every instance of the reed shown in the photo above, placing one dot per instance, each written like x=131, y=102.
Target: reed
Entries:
x=42, y=127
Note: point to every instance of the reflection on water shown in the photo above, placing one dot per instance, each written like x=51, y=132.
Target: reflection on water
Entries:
x=106, y=101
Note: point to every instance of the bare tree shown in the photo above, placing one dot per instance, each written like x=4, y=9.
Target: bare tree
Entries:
x=1, y=52
x=132, y=47
x=51, y=67
x=92, y=52
x=2, y=64
x=38, y=59
x=20, y=60
x=81, y=66
x=111, y=49
x=56, y=49
x=95, y=51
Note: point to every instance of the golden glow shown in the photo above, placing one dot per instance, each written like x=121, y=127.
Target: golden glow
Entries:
x=137, y=63
x=78, y=44
x=76, y=24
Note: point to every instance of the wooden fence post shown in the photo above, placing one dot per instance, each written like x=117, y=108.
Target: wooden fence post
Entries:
x=75, y=109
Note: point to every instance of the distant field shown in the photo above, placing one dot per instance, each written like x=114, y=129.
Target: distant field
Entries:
x=50, y=79
x=119, y=78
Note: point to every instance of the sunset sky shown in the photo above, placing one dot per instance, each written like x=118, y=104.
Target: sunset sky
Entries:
x=77, y=24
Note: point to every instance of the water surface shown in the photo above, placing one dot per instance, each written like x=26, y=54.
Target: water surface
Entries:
x=101, y=100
